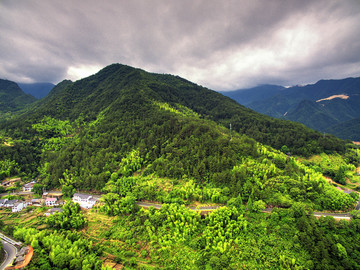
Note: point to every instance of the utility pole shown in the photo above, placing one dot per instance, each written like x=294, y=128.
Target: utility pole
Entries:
x=230, y=131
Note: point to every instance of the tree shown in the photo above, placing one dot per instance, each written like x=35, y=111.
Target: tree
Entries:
x=259, y=206
x=285, y=149
x=340, y=175
x=68, y=190
x=38, y=189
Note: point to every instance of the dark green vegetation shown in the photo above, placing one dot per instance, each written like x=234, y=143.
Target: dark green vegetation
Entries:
x=1, y=253
x=37, y=90
x=12, y=98
x=71, y=217
x=347, y=130
x=59, y=250
x=305, y=104
x=139, y=136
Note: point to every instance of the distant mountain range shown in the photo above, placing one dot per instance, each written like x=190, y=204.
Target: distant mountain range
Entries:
x=331, y=106
x=37, y=90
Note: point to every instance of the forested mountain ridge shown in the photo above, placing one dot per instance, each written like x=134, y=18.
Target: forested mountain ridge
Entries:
x=321, y=106
x=136, y=136
x=12, y=98
x=120, y=84
x=123, y=119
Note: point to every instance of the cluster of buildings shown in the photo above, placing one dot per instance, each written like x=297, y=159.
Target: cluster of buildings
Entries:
x=50, y=199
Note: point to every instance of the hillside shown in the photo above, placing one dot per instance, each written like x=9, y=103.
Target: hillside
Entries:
x=321, y=106
x=131, y=135
x=347, y=130
x=124, y=119
x=37, y=90
x=117, y=87
x=12, y=98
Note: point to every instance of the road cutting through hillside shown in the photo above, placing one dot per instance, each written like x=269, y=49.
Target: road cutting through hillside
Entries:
x=266, y=210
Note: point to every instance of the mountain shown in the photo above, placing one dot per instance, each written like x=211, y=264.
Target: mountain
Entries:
x=124, y=122
x=120, y=89
x=12, y=98
x=37, y=90
x=320, y=106
x=134, y=136
x=249, y=95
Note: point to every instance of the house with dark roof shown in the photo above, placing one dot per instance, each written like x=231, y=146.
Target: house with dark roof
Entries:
x=37, y=202
x=29, y=186
x=2, y=202
x=52, y=211
x=11, y=182
x=10, y=203
x=52, y=194
x=85, y=200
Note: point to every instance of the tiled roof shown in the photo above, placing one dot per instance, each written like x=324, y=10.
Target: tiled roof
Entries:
x=83, y=196
x=11, y=201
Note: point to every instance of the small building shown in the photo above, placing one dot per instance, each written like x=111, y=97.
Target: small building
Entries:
x=2, y=202
x=52, y=211
x=85, y=200
x=50, y=201
x=52, y=194
x=37, y=202
x=29, y=186
x=10, y=182
x=10, y=203
x=18, y=206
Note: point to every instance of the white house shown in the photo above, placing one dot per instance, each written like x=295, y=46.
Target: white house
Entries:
x=29, y=186
x=86, y=201
x=50, y=201
x=18, y=206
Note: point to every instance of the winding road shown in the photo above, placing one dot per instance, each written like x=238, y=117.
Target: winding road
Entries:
x=10, y=253
x=267, y=210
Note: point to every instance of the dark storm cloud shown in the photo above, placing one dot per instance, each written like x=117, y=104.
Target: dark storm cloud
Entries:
x=219, y=44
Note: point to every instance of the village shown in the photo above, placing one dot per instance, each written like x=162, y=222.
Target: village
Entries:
x=53, y=199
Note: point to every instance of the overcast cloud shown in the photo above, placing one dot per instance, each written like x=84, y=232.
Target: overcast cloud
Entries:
x=219, y=44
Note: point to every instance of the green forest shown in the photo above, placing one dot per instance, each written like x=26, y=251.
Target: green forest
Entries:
x=133, y=136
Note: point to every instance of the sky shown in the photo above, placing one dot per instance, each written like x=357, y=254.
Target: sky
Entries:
x=220, y=44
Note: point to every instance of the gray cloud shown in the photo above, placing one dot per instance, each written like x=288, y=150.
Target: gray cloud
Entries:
x=219, y=44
